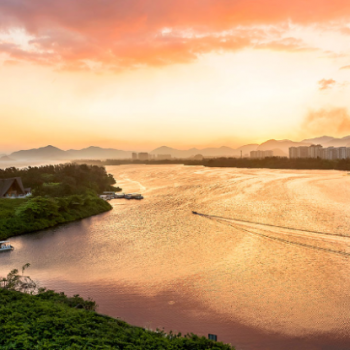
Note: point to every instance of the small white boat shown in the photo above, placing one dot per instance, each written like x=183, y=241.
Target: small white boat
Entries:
x=5, y=246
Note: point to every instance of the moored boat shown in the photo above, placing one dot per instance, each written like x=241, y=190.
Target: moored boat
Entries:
x=5, y=246
x=133, y=196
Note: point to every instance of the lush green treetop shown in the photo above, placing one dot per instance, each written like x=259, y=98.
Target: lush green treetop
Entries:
x=62, y=179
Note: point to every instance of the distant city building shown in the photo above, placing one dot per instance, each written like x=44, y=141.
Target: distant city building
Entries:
x=164, y=156
x=143, y=156
x=293, y=152
x=261, y=154
x=303, y=152
x=342, y=152
x=317, y=151
x=134, y=156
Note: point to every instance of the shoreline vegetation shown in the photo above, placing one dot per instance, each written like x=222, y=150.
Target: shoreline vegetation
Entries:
x=60, y=194
x=36, y=318
x=268, y=163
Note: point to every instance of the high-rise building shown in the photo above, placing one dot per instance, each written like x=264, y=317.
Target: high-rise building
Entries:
x=329, y=153
x=315, y=151
x=143, y=156
x=293, y=152
x=303, y=152
x=342, y=152
x=134, y=156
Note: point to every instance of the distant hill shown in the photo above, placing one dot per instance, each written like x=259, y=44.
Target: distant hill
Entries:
x=175, y=152
x=246, y=149
x=279, y=148
x=279, y=153
x=282, y=145
x=206, y=152
x=98, y=153
x=54, y=153
x=320, y=140
x=6, y=159
x=48, y=152
x=328, y=141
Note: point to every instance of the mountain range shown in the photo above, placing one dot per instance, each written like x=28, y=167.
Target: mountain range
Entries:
x=279, y=147
x=54, y=153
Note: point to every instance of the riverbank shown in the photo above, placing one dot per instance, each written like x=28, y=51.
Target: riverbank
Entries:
x=60, y=193
x=266, y=163
x=20, y=216
x=51, y=320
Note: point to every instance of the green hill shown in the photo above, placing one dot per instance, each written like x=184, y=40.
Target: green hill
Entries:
x=51, y=320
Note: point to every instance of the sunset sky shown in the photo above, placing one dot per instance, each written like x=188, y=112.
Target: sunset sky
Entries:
x=138, y=74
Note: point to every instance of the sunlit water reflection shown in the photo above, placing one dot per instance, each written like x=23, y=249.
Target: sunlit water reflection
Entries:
x=155, y=264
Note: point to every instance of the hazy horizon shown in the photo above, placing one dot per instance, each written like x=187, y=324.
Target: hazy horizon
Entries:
x=183, y=148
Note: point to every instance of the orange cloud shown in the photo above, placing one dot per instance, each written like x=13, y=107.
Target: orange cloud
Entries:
x=116, y=34
x=345, y=67
x=286, y=44
x=334, y=121
x=325, y=84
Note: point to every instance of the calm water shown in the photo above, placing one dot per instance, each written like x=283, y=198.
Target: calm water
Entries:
x=232, y=273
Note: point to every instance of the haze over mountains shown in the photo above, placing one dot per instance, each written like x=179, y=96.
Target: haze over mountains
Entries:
x=54, y=153
x=280, y=148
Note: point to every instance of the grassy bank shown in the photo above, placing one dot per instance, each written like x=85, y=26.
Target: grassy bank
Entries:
x=50, y=320
x=19, y=216
x=60, y=193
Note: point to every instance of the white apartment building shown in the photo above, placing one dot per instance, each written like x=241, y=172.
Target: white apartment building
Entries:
x=342, y=152
x=303, y=152
x=317, y=151
x=293, y=152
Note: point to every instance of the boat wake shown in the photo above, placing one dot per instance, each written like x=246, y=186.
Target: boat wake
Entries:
x=289, y=235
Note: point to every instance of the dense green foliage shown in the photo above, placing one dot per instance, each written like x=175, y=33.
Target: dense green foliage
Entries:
x=270, y=163
x=8, y=207
x=49, y=320
x=61, y=193
x=63, y=179
x=36, y=213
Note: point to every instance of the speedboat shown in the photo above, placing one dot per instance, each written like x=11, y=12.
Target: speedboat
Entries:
x=194, y=212
x=5, y=246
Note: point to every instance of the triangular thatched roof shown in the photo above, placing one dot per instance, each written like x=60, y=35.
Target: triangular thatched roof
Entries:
x=5, y=184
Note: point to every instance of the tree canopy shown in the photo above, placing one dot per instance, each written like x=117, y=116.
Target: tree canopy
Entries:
x=62, y=179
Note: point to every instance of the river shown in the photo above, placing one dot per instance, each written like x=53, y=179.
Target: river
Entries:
x=266, y=267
